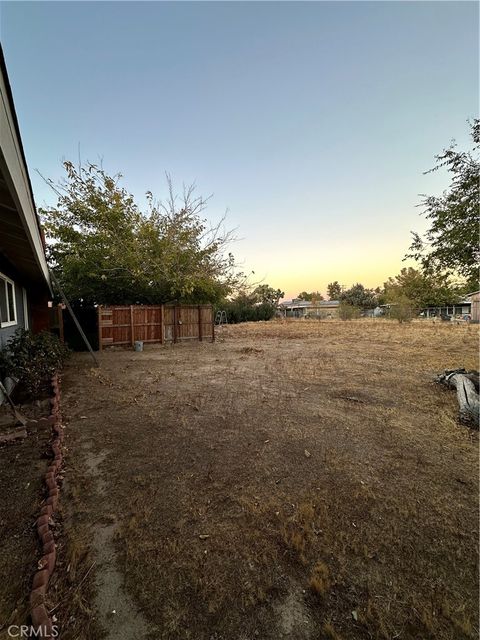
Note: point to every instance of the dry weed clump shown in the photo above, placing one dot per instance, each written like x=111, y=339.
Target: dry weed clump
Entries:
x=371, y=618
x=319, y=581
x=298, y=530
x=247, y=350
x=330, y=632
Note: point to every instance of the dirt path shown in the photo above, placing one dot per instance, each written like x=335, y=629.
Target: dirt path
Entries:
x=117, y=612
x=91, y=529
x=299, y=480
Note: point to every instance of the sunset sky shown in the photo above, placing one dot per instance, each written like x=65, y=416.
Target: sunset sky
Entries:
x=311, y=122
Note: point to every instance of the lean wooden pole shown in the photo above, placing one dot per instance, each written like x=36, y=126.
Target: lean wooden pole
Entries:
x=74, y=317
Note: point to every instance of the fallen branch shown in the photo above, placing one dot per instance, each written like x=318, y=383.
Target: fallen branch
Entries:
x=20, y=432
x=466, y=384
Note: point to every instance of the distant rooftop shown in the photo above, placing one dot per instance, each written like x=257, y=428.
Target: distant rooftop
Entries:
x=302, y=304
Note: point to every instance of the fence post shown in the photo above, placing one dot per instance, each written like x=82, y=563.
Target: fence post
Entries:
x=213, y=323
x=175, y=324
x=200, y=328
x=131, y=325
x=99, y=322
x=162, y=325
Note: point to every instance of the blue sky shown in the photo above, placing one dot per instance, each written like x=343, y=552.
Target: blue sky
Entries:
x=311, y=122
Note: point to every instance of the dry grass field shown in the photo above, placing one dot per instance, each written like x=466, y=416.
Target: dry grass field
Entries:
x=298, y=480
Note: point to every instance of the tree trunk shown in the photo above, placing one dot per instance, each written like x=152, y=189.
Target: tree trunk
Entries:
x=467, y=394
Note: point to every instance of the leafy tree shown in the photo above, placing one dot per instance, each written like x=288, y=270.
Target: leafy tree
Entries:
x=334, y=290
x=420, y=289
x=450, y=246
x=304, y=296
x=250, y=306
x=265, y=294
x=314, y=296
x=103, y=249
x=360, y=297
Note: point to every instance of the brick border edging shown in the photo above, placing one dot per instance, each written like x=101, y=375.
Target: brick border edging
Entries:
x=41, y=621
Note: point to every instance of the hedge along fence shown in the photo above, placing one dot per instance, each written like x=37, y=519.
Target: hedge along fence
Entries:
x=123, y=325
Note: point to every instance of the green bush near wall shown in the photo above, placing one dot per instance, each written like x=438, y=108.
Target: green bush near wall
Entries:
x=32, y=359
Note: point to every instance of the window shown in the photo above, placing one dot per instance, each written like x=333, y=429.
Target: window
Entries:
x=8, y=309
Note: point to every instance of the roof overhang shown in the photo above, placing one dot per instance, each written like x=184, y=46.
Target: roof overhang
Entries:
x=20, y=234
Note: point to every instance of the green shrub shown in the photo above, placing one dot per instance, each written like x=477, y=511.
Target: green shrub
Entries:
x=241, y=310
x=348, y=311
x=403, y=310
x=32, y=359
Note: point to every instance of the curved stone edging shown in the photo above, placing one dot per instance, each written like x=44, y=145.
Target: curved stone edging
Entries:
x=41, y=620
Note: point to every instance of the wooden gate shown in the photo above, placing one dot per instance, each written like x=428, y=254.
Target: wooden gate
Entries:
x=123, y=325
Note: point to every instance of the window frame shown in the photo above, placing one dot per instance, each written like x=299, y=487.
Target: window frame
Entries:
x=9, y=323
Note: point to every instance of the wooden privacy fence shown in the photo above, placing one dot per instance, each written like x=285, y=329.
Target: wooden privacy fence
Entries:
x=123, y=325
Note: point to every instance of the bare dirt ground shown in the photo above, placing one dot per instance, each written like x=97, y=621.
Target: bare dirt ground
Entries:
x=22, y=465
x=298, y=480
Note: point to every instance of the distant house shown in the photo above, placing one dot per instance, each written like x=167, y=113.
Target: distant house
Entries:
x=297, y=308
x=460, y=309
x=24, y=278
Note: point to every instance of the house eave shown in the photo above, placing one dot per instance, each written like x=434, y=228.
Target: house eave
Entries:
x=21, y=238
